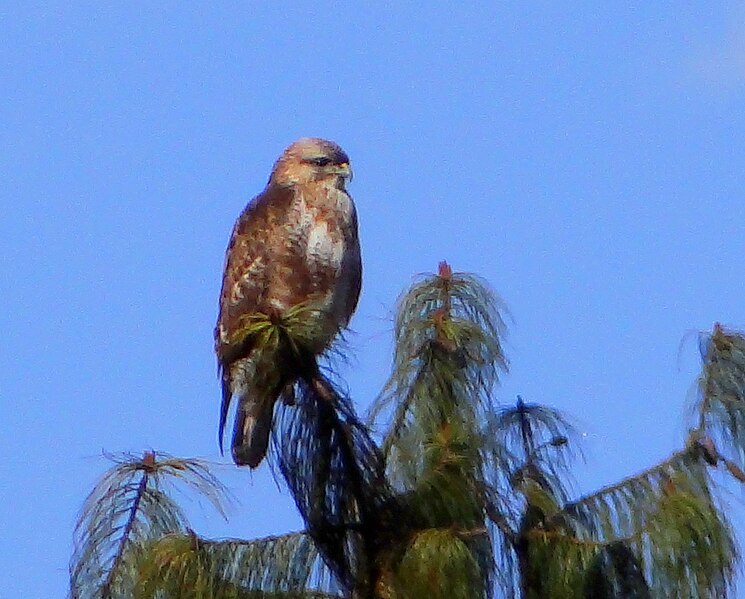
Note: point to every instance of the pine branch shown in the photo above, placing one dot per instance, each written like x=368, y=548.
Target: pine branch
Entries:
x=523, y=446
x=448, y=357
x=438, y=564
x=462, y=498
x=334, y=472
x=187, y=566
x=126, y=533
x=721, y=405
x=126, y=510
x=615, y=572
x=649, y=480
x=665, y=515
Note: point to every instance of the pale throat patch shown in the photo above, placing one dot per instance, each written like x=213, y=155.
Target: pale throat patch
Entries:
x=323, y=247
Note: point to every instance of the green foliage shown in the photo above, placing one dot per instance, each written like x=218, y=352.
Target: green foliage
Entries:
x=447, y=360
x=438, y=564
x=126, y=510
x=615, y=571
x=185, y=566
x=334, y=471
x=660, y=529
x=175, y=566
x=722, y=389
x=461, y=498
x=297, y=327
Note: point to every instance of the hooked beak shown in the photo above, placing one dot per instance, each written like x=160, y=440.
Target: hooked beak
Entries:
x=344, y=170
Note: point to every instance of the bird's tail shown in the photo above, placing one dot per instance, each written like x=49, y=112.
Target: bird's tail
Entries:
x=253, y=424
x=258, y=390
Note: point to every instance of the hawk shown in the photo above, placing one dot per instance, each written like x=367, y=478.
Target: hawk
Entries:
x=294, y=245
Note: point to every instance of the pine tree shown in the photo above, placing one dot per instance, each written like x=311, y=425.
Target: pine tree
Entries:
x=459, y=498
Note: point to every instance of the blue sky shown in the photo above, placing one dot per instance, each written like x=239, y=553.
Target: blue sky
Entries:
x=587, y=162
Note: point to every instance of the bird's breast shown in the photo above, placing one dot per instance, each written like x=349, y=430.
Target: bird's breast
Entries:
x=328, y=228
x=325, y=248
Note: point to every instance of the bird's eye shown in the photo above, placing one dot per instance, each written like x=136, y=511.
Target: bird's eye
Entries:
x=321, y=161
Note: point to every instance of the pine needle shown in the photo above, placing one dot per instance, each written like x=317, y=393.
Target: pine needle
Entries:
x=127, y=509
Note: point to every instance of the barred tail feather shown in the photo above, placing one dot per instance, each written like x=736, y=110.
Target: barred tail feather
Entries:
x=253, y=423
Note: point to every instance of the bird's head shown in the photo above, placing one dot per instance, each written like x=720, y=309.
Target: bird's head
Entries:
x=311, y=159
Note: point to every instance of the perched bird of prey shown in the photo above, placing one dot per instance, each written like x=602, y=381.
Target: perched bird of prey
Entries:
x=294, y=245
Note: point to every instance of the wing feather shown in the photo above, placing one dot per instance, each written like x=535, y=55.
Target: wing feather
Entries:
x=354, y=286
x=245, y=279
x=247, y=264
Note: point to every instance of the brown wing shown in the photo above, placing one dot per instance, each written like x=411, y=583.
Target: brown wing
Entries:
x=245, y=278
x=247, y=262
x=354, y=285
